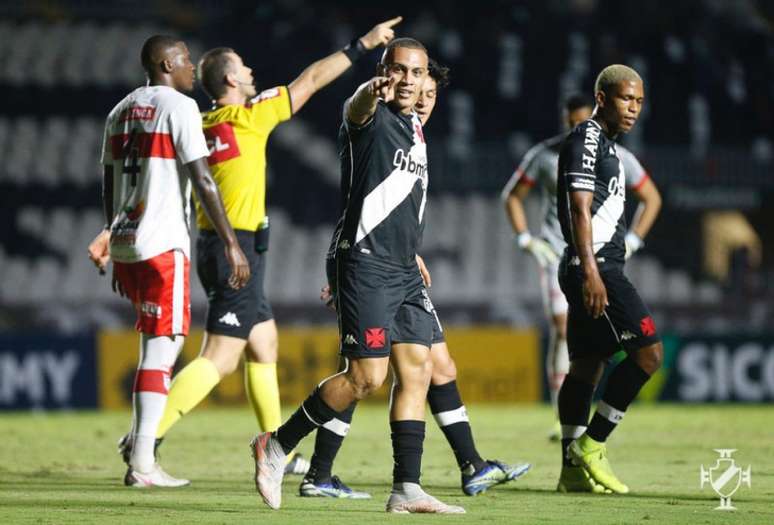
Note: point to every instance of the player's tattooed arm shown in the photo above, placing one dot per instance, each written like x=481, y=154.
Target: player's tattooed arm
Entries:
x=212, y=204
x=361, y=106
x=99, y=248
x=107, y=195
x=594, y=291
x=324, y=71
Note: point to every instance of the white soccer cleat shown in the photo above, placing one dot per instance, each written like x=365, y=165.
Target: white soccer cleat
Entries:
x=298, y=465
x=269, y=468
x=155, y=478
x=411, y=499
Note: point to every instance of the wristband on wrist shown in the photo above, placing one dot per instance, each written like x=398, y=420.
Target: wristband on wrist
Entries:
x=634, y=240
x=523, y=239
x=354, y=50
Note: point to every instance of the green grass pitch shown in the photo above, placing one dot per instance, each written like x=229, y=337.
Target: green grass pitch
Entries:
x=63, y=468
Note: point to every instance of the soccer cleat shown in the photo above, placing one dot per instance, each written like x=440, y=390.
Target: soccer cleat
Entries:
x=269, y=468
x=125, y=447
x=576, y=479
x=155, y=478
x=592, y=456
x=556, y=433
x=334, y=488
x=494, y=473
x=411, y=499
x=297, y=465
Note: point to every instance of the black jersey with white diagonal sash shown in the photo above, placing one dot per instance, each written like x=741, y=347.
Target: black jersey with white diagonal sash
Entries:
x=589, y=161
x=383, y=185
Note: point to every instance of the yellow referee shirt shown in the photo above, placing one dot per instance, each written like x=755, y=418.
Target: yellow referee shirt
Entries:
x=236, y=137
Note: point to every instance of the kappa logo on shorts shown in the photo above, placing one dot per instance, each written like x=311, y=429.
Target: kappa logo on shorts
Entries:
x=647, y=326
x=349, y=339
x=230, y=319
x=374, y=337
x=627, y=335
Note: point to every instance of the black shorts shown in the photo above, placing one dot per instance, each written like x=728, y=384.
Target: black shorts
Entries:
x=379, y=304
x=626, y=321
x=231, y=312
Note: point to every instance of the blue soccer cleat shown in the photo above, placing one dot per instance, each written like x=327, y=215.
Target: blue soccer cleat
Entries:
x=495, y=473
x=334, y=488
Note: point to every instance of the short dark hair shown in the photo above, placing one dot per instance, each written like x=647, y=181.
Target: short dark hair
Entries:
x=438, y=73
x=577, y=101
x=153, y=48
x=406, y=42
x=214, y=65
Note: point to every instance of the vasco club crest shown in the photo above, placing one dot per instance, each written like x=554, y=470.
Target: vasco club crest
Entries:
x=725, y=477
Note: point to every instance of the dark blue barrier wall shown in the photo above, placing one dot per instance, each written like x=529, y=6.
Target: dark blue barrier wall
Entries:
x=47, y=371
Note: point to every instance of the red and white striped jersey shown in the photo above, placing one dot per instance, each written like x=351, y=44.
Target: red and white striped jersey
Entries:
x=149, y=136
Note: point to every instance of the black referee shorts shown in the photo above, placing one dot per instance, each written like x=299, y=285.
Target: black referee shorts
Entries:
x=231, y=312
x=379, y=304
x=626, y=321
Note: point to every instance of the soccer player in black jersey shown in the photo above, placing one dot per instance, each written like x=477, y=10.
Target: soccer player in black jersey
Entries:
x=478, y=474
x=380, y=297
x=605, y=311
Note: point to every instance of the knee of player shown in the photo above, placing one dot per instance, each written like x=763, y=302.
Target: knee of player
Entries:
x=444, y=372
x=365, y=383
x=228, y=365
x=651, y=358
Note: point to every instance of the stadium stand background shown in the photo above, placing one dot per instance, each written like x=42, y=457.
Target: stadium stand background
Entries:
x=705, y=137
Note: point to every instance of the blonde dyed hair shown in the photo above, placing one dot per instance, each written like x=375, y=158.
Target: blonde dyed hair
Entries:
x=613, y=75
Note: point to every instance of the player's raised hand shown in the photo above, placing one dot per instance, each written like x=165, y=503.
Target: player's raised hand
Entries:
x=594, y=295
x=381, y=34
x=382, y=87
x=99, y=250
x=240, y=269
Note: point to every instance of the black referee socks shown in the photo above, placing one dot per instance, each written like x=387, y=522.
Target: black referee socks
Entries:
x=574, y=406
x=312, y=413
x=624, y=384
x=450, y=414
x=327, y=443
x=407, y=438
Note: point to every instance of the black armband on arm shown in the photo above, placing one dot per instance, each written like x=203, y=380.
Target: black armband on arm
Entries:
x=354, y=50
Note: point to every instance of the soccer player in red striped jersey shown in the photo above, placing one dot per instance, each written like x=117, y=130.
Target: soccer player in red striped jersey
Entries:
x=153, y=150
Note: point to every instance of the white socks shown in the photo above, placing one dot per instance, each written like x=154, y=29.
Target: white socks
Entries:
x=151, y=386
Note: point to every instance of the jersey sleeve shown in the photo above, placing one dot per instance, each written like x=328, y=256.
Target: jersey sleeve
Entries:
x=187, y=134
x=371, y=123
x=526, y=171
x=633, y=170
x=270, y=107
x=579, y=165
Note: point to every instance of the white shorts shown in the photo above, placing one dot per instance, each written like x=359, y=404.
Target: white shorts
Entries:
x=553, y=298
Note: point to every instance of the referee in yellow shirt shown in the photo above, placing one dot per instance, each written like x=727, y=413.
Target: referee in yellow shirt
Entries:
x=241, y=321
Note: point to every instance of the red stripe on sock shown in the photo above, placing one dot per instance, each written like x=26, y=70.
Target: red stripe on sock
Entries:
x=152, y=381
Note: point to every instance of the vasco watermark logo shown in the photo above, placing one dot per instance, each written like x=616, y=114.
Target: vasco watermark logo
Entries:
x=725, y=477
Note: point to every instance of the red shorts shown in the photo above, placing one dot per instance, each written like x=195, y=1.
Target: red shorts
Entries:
x=160, y=292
